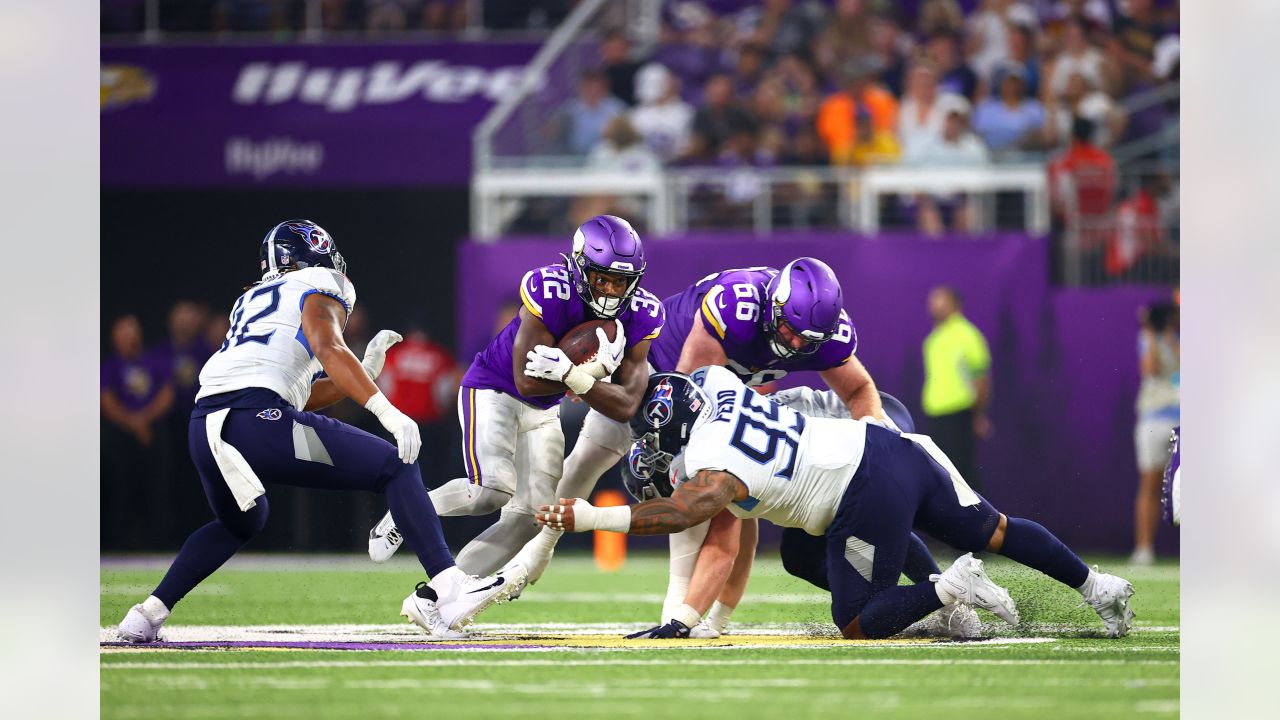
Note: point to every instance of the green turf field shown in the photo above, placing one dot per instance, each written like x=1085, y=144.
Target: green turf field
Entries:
x=1055, y=665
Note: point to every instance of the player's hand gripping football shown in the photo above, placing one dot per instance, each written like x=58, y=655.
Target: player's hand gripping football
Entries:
x=609, y=354
x=548, y=363
x=565, y=516
x=375, y=355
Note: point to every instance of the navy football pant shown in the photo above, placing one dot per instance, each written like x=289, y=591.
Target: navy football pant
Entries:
x=897, y=487
x=805, y=557
x=339, y=457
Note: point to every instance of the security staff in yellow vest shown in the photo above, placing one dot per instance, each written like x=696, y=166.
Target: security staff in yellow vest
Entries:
x=957, y=382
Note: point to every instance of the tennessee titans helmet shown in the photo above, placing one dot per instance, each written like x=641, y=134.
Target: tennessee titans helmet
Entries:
x=298, y=244
x=671, y=405
x=805, y=297
x=606, y=244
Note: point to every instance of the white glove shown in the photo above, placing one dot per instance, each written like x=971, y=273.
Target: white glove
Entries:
x=405, y=430
x=375, y=354
x=608, y=355
x=548, y=363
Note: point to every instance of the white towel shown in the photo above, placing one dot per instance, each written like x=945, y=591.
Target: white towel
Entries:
x=964, y=493
x=240, y=478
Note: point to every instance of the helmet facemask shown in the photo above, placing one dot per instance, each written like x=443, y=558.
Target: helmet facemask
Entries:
x=649, y=469
x=606, y=307
x=779, y=345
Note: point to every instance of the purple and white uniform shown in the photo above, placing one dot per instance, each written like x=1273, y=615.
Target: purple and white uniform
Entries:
x=730, y=305
x=507, y=435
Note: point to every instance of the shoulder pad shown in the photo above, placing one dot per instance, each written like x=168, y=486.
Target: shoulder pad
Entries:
x=326, y=282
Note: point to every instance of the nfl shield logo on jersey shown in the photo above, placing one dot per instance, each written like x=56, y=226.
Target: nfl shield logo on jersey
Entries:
x=270, y=414
x=658, y=410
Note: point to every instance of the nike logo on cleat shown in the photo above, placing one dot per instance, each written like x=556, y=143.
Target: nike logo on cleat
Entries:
x=495, y=584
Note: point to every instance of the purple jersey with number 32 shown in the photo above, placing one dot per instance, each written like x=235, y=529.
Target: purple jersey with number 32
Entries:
x=548, y=294
x=729, y=305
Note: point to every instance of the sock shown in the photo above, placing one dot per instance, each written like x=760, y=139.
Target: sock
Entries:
x=416, y=517
x=684, y=556
x=1086, y=587
x=718, y=617
x=441, y=584
x=1029, y=543
x=155, y=610
x=891, y=610
x=494, y=548
x=919, y=564
x=206, y=550
x=583, y=468
x=460, y=496
x=944, y=597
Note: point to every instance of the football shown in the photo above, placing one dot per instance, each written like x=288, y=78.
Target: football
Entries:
x=580, y=344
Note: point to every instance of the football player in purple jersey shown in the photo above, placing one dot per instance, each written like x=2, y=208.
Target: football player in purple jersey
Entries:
x=509, y=401
x=761, y=323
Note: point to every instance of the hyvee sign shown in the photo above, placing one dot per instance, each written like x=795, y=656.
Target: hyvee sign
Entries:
x=299, y=115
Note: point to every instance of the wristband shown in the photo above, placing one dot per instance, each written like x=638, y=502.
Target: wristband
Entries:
x=579, y=381
x=378, y=404
x=613, y=519
x=686, y=615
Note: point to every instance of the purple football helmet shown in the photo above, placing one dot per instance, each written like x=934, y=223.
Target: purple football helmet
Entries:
x=806, y=298
x=606, y=244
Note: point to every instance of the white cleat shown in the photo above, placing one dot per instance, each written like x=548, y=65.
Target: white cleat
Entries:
x=465, y=598
x=703, y=631
x=968, y=583
x=384, y=539
x=956, y=621
x=423, y=612
x=143, y=621
x=1109, y=595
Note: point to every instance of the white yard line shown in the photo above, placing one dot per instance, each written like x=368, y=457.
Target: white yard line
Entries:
x=617, y=661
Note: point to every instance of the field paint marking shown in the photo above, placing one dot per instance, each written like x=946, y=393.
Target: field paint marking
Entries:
x=618, y=661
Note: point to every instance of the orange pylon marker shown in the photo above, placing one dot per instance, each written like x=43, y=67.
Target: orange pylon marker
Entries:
x=610, y=547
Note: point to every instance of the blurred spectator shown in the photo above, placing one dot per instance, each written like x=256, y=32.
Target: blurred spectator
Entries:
x=889, y=50
x=847, y=35
x=388, y=15
x=215, y=332
x=1134, y=35
x=750, y=68
x=784, y=26
x=805, y=149
x=988, y=31
x=445, y=15
x=1082, y=185
x=955, y=146
x=689, y=49
x=1159, y=409
x=185, y=352
x=662, y=119
x=1082, y=100
x=1137, y=226
x=1022, y=51
x=954, y=75
x=622, y=149
x=720, y=117
x=1011, y=120
x=618, y=66
x=871, y=145
x=136, y=393
x=957, y=383
x=921, y=115
x=939, y=17
x=1096, y=14
x=421, y=379
x=796, y=81
x=584, y=117
x=837, y=121
x=1078, y=57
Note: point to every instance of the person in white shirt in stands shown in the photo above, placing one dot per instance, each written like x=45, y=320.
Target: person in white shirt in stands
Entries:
x=663, y=119
x=922, y=114
x=956, y=146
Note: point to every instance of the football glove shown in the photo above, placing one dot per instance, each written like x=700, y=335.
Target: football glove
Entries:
x=408, y=438
x=673, y=629
x=375, y=354
x=548, y=363
x=609, y=355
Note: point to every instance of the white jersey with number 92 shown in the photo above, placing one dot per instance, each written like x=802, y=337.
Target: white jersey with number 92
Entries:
x=796, y=468
x=265, y=347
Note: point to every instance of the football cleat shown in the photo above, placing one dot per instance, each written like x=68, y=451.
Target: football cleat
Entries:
x=422, y=611
x=1109, y=595
x=703, y=631
x=968, y=583
x=142, y=623
x=465, y=598
x=384, y=539
x=955, y=621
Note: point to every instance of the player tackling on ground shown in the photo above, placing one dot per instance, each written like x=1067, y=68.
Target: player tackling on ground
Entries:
x=283, y=357
x=861, y=486
x=509, y=403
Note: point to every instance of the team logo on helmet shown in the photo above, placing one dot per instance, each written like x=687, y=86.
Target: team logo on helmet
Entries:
x=638, y=463
x=315, y=236
x=658, y=410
